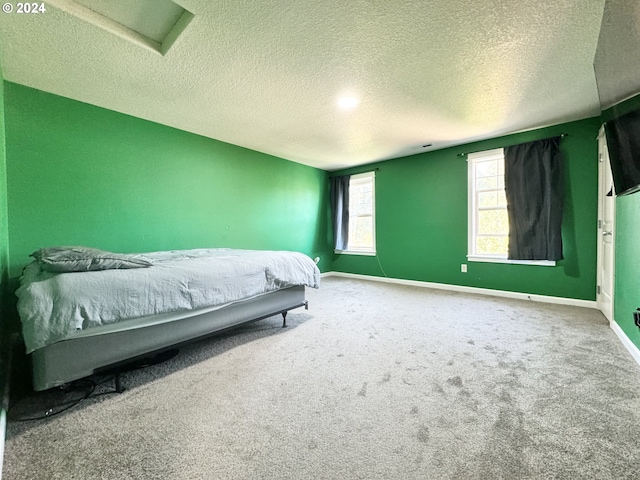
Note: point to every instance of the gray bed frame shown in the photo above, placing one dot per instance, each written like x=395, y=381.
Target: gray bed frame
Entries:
x=74, y=358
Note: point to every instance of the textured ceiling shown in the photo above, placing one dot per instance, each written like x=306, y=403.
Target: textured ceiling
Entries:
x=617, y=61
x=267, y=75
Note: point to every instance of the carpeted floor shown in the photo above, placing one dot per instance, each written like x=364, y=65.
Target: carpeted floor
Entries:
x=375, y=381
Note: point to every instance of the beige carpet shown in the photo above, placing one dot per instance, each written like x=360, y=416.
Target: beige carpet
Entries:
x=375, y=381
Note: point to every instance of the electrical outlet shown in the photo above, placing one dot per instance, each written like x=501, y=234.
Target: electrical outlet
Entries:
x=636, y=317
x=463, y=268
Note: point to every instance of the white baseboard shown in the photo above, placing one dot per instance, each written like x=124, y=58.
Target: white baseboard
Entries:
x=482, y=291
x=628, y=344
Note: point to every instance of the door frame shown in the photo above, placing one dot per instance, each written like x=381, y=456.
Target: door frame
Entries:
x=603, y=158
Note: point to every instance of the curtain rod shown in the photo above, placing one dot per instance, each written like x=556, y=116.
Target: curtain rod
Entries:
x=364, y=171
x=562, y=135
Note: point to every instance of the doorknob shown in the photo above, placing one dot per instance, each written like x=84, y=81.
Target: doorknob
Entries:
x=605, y=233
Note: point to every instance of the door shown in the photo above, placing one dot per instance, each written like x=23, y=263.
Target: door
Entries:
x=606, y=230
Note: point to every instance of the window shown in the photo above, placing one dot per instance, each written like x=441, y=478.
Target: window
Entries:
x=488, y=221
x=362, y=239
x=488, y=218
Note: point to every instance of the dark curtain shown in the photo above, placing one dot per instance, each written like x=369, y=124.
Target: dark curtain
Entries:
x=623, y=142
x=340, y=211
x=534, y=184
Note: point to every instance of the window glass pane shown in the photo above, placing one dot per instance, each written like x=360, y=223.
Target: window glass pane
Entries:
x=486, y=182
x=501, y=181
x=360, y=232
x=486, y=169
x=360, y=200
x=493, y=222
x=492, y=245
x=488, y=199
x=502, y=198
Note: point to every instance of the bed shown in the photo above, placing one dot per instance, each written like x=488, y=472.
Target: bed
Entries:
x=84, y=310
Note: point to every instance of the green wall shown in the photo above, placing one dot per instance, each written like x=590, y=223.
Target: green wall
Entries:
x=626, y=294
x=4, y=228
x=82, y=175
x=5, y=323
x=421, y=219
x=627, y=274
x=7, y=320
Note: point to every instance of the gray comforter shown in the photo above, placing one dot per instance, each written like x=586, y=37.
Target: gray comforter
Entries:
x=54, y=305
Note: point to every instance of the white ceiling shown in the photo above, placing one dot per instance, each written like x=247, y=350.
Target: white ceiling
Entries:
x=617, y=60
x=267, y=75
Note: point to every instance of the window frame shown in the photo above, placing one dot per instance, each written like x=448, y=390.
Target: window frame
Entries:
x=364, y=251
x=473, y=210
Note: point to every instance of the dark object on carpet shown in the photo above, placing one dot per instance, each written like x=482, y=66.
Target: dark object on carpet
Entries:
x=40, y=405
x=47, y=403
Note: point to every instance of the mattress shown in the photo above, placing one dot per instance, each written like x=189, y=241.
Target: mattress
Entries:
x=52, y=306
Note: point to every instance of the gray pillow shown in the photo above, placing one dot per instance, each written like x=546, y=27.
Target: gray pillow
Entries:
x=84, y=259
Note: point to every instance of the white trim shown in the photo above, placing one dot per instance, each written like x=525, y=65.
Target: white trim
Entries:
x=364, y=179
x=493, y=154
x=471, y=211
x=369, y=253
x=481, y=291
x=628, y=344
x=480, y=258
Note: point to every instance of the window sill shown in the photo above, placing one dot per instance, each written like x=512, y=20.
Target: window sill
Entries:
x=479, y=258
x=355, y=252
